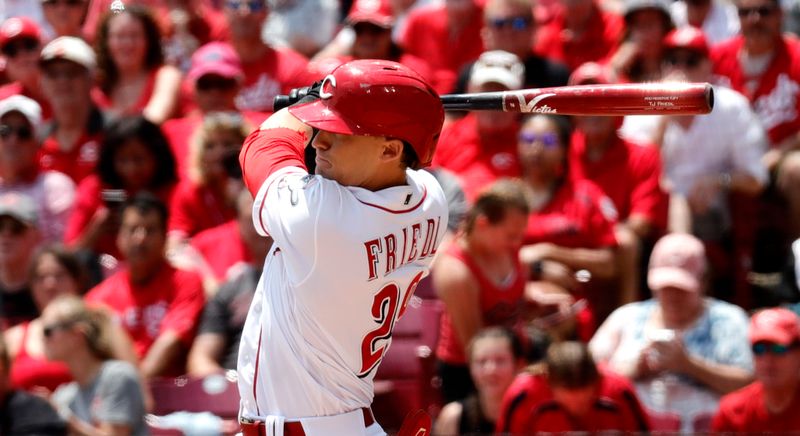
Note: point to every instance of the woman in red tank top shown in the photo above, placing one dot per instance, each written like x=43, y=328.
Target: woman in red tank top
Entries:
x=480, y=279
x=54, y=272
x=133, y=78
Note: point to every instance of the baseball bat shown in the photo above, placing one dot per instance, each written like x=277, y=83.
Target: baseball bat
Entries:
x=608, y=100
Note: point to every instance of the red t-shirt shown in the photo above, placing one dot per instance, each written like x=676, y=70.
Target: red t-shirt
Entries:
x=77, y=163
x=196, y=207
x=180, y=133
x=628, y=173
x=16, y=88
x=170, y=301
x=529, y=407
x=477, y=159
x=580, y=215
x=499, y=305
x=277, y=72
x=223, y=249
x=598, y=40
x=744, y=411
x=427, y=36
x=776, y=99
x=89, y=198
x=103, y=100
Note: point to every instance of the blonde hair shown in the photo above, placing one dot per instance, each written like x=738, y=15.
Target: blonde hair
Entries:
x=93, y=323
x=213, y=122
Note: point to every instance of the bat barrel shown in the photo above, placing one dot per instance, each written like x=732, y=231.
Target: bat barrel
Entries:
x=606, y=100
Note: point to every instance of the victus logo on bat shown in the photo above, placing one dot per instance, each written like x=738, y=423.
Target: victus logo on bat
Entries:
x=531, y=106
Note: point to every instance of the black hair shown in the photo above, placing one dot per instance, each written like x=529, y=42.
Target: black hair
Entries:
x=498, y=332
x=144, y=203
x=137, y=128
x=66, y=259
x=410, y=158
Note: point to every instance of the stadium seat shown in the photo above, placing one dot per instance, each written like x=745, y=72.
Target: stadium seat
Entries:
x=217, y=394
x=665, y=422
x=702, y=423
x=406, y=379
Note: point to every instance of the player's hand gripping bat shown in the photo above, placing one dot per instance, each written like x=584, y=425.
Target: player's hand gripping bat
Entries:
x=611, y=100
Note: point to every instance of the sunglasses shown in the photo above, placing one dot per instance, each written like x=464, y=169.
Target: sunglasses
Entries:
x=49, y=330
x=22, y=132
x=514, y=23
x=762, y=348
x=761, y=11
x=548, y=140
x=64, y=2
x=369, y=29
x=12, y=49
x=210, y=82
x=14, y=226
x=252, y=5
x=691, y=60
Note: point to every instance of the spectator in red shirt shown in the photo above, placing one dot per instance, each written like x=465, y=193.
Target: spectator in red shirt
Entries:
x=157, y=305
x=509, y=25
x=268, y=71
x=134, y=157
x=495, y=357
x=72, y=145
x=207, y=198
x=580, y=32
x=568, y=392
x=20, y=44
x=481, y=147
x=628, y=173
x=571, y=225
x=66, y=17
x=447, y=35
x=132, y=76
x=215, y=79
x=224, y=249
x=764, y=65
x=638, y=58
x=480, y=280
x=368, y=35
x=771, y=404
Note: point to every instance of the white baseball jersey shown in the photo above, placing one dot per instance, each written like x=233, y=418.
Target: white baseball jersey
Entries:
x=344, y=263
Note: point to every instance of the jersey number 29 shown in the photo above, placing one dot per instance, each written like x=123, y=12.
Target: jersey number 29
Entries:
x=386, y=310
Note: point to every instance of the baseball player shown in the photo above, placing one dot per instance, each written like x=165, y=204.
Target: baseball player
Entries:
x=351, y=243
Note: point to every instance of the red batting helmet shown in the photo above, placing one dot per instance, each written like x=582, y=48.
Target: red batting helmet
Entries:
x=377, y=98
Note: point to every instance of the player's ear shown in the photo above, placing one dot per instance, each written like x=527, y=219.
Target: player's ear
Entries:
x=392, y=149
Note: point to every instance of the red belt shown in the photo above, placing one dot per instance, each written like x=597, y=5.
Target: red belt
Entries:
x=294, y=428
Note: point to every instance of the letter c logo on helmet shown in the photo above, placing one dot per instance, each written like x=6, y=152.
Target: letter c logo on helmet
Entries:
x=377, y=98
x=326, y=89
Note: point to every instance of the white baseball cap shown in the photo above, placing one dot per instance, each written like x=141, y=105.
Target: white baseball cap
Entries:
x=498, y=66
x=24, y=105
x=72, y=49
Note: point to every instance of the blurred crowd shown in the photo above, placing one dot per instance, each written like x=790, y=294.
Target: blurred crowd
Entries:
x=600, y=273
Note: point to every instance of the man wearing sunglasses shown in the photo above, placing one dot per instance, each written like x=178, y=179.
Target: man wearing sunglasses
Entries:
x=52, y=191
x=771, y=404
x=708, y=160
x=509, y=25
x=20, y=44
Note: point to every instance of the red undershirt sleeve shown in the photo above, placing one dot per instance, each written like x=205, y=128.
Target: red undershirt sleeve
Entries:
x=267, y=151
